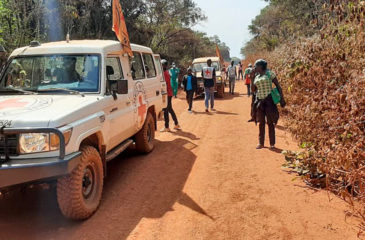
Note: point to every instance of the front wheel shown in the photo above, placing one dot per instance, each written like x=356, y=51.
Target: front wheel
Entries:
x=146, y=136
x=79, y=194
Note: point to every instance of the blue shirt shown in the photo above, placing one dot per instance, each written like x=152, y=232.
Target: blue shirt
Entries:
x=189, y=85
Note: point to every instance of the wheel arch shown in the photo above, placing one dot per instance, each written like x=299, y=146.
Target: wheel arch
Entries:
x=152, y=111
x=96, y=140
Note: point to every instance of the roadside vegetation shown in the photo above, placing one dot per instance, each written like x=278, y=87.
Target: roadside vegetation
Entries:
x=317, y=49
x=165, y=26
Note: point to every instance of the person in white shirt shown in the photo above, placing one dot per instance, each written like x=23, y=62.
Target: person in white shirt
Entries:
x=232, y=75
x=209, y=76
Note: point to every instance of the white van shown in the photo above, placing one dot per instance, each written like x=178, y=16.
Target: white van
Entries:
x=67, y=108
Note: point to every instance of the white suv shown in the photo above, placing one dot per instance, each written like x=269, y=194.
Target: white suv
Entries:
x=67, y=108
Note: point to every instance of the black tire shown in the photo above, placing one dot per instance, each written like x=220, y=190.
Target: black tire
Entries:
x=220, y=91
x=146, y=136
x=79, y=194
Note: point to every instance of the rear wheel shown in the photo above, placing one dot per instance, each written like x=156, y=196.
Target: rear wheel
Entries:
x=146, y=136
x=79, y=194
x=220, y=91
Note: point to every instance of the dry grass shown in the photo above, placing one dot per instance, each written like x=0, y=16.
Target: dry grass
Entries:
x=324, y=82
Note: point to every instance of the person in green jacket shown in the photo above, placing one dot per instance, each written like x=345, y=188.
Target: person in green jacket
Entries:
x=174, y=73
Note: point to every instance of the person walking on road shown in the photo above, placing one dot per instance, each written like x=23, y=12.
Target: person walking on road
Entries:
x=226, y=71
x=240, y=73
x=265, y=108
x=253, y=93
x=169, y=108
x=232, y=75
x=174, y=73
x=247, y=78
x=190, y=83
x=209, y=77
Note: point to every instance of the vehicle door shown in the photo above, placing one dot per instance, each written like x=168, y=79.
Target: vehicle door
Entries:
x=161, y=78
x=120, y=113
x=140, y=92
x=152, y=82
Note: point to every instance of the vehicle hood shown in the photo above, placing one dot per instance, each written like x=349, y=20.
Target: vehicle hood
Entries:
x=44, y=111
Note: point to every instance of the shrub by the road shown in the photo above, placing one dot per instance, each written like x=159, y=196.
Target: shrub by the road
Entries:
x=324, y=82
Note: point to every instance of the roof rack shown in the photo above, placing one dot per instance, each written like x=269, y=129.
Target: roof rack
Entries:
x=34, y=44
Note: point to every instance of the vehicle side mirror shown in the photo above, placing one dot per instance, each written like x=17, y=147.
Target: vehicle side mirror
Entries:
x=109, y=70
x=119, y=86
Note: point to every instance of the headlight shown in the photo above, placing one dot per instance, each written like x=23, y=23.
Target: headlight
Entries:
x=41, y=142
x=219, y=79
x=34, y=142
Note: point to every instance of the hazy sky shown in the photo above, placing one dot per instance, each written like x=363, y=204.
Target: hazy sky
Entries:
x=229, y=19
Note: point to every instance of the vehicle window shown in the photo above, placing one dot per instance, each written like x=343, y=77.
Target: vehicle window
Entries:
x=73, y=72
x=114, y=62
x=149, y=65
x=158, y=65
x=137, y=67
x=198, y=67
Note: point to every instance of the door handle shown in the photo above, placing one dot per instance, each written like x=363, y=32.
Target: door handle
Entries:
x=128, y=102
x=114, y=109
x=157, y=93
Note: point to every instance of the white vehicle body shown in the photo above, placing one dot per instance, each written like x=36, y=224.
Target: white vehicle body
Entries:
x=104, y=120
x=198, y=65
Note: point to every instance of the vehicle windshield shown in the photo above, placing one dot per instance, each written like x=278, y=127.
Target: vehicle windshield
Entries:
x=41, y=73
x=198, y=67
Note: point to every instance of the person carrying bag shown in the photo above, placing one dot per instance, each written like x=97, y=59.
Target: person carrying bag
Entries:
x=265, y=107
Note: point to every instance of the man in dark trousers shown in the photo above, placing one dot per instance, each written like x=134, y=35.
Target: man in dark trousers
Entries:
x=240, y=73
x=232, y=74
x=170, y=94
x=190, y=86
x=253, y=94
x=247, y=78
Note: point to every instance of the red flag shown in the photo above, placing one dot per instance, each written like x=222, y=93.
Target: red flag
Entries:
x=120, y=28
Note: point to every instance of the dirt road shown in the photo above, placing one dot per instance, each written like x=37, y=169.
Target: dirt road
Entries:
x=205, y=182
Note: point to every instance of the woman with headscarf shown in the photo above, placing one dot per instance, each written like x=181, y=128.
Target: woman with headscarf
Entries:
x=265, y=108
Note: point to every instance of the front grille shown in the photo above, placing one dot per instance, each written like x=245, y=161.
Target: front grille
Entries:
x=9, y=144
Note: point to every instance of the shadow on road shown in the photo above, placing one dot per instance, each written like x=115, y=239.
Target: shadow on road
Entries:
x=184, y=134
x=215, y=112
x=226, y=113
x=276, y=150
x=202, y=113
x=187, y=201
x=228, y=96
x=282, y=128
x=136, y=187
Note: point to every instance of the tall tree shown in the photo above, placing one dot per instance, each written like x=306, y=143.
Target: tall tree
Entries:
x=164, y=25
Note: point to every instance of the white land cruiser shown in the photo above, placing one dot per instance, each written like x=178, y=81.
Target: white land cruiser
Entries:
x=199, y=64
x=67, y=108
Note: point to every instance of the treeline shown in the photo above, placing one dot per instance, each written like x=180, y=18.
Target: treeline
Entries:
x=317, y=49
x=285, y=21
x=163, y=25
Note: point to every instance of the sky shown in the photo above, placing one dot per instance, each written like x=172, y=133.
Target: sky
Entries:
x=229, y=19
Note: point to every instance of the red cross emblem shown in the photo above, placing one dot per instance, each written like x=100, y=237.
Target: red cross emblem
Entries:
x=12, y=103
x=207, y=72
x=142, y=110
